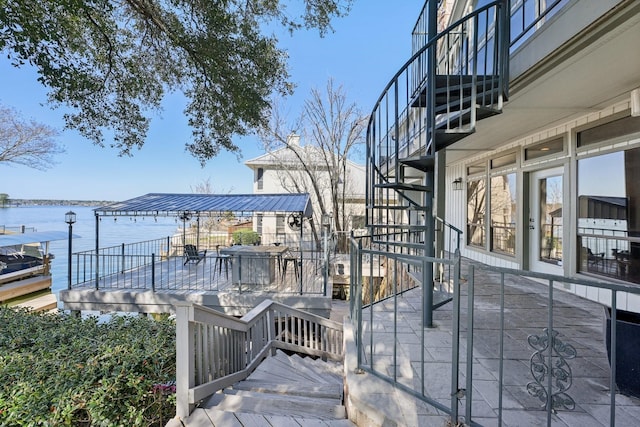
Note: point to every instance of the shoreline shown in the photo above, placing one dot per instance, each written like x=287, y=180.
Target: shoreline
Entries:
x=15, y=203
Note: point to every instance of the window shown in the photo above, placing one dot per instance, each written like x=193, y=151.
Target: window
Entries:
x=259, y=218
x=280, y=223
x=550, y=228
x=502, y=161
x=544, y=149
x=260, y=178
x=503, y=214
x=608, y=235
x=614, y=129
x=476, y=168
x=476, y=211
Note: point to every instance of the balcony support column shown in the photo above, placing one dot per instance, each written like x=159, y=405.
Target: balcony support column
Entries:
x=429, y=178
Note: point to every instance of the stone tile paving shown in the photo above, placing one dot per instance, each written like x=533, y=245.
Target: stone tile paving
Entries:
x=579, y=323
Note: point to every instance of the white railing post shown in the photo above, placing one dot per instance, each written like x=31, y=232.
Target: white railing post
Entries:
x=271, y=329
x=184, y=359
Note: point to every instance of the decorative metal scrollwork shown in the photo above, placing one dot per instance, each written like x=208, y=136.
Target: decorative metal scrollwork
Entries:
x=559, y=370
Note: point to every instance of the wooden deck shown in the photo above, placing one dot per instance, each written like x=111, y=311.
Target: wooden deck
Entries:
x=210, y=282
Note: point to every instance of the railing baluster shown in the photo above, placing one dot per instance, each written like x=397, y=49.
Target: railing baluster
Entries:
x=217, y=345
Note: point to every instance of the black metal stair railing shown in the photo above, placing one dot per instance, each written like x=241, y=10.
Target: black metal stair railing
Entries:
x=470, y=83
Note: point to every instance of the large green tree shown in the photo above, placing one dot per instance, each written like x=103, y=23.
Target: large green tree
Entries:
x=112, y=62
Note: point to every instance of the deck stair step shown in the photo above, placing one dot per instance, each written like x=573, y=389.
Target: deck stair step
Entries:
x=422, y=163
x=287, y=390
x=217, y=418
x=324, y=391
x=450, y=88
x=403, y=186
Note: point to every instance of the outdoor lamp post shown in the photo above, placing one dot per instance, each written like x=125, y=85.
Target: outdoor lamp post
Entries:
x=69, y=218
x=326, y=224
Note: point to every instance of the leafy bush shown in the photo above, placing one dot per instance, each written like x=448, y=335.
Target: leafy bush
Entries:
x=58, y=369
x=246, y=237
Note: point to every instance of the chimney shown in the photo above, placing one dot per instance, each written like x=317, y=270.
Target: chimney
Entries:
x=293, y=139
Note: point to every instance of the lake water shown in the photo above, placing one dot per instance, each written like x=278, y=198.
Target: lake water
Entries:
x=51, y=218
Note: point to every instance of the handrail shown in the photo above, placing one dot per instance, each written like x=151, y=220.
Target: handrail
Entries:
x=473, y=75
x=215, y=350
x=520, y=5
x=421, y=52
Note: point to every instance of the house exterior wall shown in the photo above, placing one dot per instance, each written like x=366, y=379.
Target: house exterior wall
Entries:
x=456, y=200
x=593, y=94
x=275, y=180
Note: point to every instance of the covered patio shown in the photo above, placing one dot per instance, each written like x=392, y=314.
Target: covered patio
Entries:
x=222, y=270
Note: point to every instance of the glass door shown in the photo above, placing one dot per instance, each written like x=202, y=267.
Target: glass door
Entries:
x=545, y=220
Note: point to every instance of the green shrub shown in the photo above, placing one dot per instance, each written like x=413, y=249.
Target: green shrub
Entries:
x=57, y=369
x=246, y=237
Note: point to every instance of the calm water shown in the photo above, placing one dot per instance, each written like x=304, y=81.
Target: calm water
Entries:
x=51, y=218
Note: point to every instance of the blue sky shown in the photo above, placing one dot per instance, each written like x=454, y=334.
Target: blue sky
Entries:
x=363, y=54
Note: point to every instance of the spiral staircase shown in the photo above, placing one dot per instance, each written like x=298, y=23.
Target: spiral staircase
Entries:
x=455, y=78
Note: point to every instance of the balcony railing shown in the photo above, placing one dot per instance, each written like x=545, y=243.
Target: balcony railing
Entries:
x=527, y=16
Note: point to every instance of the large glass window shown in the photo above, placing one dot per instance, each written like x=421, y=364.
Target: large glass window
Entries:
x=476, y=211
x=503, y=214
x=608, y=215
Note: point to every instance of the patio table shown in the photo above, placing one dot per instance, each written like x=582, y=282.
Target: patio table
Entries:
x=254, y=265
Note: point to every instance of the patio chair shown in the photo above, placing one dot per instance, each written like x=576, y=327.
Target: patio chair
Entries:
x=594, y=260
x=222, y=259
x=191, y=254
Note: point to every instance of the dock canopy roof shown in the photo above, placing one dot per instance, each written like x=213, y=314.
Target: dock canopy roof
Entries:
x=33, y=237
x=160, y=204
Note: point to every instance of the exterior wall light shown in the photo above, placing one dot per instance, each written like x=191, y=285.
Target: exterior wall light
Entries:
x=458, y=184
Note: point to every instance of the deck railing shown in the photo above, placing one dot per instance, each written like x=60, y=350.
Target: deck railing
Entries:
x=159, y=265
x=215, y=350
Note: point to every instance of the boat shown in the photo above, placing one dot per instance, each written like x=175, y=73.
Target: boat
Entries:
x=25, y=269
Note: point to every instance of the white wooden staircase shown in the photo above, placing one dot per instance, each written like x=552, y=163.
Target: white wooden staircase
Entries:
x=284, y=390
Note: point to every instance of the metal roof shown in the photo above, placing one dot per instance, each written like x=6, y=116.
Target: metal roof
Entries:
x=212, y=204
x=33, y=237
